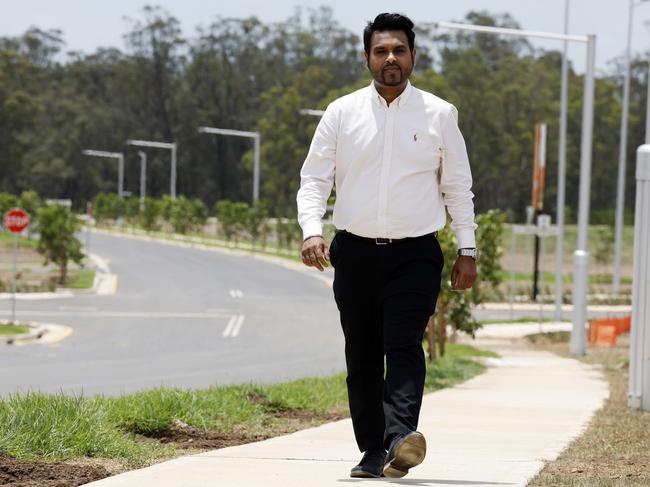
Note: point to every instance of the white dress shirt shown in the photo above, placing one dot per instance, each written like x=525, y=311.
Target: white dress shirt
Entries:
x=396, y=167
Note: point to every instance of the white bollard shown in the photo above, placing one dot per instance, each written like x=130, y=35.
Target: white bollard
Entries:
x=639, y=387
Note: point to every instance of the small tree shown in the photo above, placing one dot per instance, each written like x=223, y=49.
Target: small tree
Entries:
x=181, y=214
x=149, y=214
x=199, y=213
x=7, y=202
x=254, y=221
x=57, y=226
x=108, y=206
x=30, y=202
x=454, y=307
x=231, y=216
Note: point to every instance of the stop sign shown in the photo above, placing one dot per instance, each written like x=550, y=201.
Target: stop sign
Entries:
x=16, y=220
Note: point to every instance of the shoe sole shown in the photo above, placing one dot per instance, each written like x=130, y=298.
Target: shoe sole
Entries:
x=408, y=454
x=360, y=474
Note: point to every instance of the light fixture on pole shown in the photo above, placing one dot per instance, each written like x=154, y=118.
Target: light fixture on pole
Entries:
x=256, y=164
x=561, y=172
x=311, y=111
x=161, y=145
x=581, y=255
x=120, y=165
x=622, y=155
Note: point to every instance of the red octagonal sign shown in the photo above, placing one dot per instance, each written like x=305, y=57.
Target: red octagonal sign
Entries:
x=16, y=220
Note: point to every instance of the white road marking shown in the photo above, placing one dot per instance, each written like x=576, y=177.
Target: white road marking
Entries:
x=236, y=293
x=238, y=325
x=229, y=327
x=234, y=326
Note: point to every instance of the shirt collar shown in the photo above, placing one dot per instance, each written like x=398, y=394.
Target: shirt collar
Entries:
x=401, y=100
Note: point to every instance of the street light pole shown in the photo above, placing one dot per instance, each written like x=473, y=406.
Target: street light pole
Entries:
x=647, y=110
x=161, y=145
x=256, y=164
x=622, y=155
x=120, y=165
x=561, y=173
x=143, y=177
x=581, y=255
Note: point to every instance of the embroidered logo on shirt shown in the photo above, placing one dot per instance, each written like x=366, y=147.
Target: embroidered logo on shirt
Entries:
x=415, y=137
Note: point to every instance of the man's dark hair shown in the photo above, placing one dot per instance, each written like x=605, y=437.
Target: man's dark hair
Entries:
x=386, y=21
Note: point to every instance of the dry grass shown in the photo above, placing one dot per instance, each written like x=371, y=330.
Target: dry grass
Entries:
x=615, y=448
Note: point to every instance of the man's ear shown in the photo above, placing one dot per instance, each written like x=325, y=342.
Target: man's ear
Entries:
x=413, y=56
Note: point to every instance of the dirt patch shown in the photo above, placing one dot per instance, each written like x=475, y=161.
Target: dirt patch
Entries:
x=25, y=473
x=279, y=423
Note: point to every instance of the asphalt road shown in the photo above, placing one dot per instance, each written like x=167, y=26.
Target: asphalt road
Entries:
x=181, y=317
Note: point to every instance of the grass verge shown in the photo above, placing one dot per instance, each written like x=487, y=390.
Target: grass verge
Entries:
x=142, y=428
x=7, y=240
x=11, y=329
x=613, y=451
x=82, y=279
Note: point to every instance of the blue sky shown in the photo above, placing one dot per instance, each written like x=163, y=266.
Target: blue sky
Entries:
x=88, y=24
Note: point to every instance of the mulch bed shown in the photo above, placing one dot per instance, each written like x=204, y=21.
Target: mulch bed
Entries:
x=42, y=474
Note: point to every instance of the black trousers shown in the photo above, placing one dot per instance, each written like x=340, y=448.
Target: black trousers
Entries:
x=385, y=295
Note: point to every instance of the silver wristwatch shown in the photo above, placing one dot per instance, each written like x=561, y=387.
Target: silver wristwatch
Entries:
x=469, y=252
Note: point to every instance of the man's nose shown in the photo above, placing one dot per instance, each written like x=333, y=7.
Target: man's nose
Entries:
x=390, y=58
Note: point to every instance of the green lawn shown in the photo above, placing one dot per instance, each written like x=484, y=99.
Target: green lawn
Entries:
x=58, y=427
x=82, y=279
x=7, y=240
x=13, y=329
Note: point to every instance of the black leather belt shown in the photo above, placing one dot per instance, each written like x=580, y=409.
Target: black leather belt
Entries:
x=385, y=241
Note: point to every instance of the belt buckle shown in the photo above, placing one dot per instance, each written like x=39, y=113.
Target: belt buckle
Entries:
x=383, y=241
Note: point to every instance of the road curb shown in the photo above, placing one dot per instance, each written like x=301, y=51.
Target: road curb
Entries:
x=40, y=333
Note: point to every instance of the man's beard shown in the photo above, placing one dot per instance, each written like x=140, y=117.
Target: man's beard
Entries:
x=392, y=77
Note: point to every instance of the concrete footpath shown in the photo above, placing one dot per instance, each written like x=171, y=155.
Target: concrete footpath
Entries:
x=493, y=430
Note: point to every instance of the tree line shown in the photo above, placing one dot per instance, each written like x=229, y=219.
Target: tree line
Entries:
x=247, y=75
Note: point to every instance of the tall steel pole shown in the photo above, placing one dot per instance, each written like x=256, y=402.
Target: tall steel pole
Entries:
x=647, y=110
x=256, y=169
x=561, y=173
x=143, y=176
x=172, y=184
x=161, y=145
x=639, y=381
x=120, y=165
x=581, y=254
x=13, y=280
x=256, y=163
x=622, y=159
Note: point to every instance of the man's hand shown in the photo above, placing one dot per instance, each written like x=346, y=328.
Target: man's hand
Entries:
x=315, y=253
x=463, y=273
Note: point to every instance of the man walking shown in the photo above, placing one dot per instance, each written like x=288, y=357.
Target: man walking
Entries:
x=397, y=158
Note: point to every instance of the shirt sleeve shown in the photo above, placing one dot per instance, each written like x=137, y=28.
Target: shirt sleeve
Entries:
x=456, y=181
x=317, y=175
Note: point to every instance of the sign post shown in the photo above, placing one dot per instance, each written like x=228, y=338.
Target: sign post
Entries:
x=15, y=221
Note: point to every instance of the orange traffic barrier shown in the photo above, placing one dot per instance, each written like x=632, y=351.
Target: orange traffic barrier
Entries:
x=603, y=332
x=605, y=335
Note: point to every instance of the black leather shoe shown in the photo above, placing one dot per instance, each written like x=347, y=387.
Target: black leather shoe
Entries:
x=371, y=465
x=406, y=451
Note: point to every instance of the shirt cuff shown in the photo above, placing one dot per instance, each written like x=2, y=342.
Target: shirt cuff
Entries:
x=312, y=228
x=466, y=238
